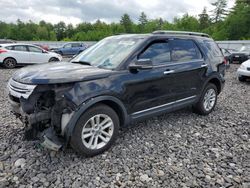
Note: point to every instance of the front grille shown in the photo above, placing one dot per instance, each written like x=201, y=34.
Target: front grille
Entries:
x=18, y=90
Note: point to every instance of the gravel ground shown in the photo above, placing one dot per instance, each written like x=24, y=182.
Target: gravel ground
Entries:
x=179, y=149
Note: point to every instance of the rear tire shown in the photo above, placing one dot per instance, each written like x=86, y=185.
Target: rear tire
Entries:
x=90, y=137
x=9, y=63
x=207, y=100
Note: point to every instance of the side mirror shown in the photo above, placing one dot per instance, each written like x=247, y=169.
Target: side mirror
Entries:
x=141, y=64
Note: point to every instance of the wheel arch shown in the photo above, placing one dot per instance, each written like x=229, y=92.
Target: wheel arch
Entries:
x=217, y=83
x=215, y=79
x=50, y=59
x=110, y=101
x=10, y=58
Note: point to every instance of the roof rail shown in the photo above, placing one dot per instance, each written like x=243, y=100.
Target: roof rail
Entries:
x=181, y=33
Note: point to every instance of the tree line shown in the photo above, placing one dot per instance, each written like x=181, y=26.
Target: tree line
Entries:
x=221, y=23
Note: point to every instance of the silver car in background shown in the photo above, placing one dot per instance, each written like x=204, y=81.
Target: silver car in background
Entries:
x=12, y=55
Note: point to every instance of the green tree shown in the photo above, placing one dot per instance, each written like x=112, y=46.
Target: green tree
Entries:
x=220, y=11
x=60, y=29
x=237, y=24
x=204, y=19
x=142, y=22
x=186, y=22
x=127, y=23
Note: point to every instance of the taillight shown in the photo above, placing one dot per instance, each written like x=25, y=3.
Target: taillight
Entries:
x=2, y=51
x=225, y=61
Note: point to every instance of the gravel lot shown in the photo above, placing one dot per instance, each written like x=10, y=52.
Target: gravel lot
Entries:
x=179, y=149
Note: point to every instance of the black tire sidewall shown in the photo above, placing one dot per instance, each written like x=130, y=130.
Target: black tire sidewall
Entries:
x=199, y=108
x=53, y=59
x=76, y=140
x=6, y=66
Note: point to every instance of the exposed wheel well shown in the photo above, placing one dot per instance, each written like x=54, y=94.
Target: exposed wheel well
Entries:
x=217, y=83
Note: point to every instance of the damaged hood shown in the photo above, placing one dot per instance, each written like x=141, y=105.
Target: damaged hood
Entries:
x=59, y=72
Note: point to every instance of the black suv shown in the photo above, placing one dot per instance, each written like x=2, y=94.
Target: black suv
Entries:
x=116, y=82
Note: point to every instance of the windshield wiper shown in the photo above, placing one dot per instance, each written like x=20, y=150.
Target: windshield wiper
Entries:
x=82, y=62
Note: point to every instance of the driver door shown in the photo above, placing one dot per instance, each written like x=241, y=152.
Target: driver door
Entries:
x=151, y=90
x=37, y=55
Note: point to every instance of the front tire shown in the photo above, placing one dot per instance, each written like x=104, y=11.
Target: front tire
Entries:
x=241, y=78
x=53, y=59
x=95, y=131
x=207, y=100
x=9, y=63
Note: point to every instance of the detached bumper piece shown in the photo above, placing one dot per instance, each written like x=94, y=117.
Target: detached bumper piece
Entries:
x=50, y=140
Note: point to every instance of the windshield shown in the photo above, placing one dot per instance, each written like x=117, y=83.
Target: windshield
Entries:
x=109, y=52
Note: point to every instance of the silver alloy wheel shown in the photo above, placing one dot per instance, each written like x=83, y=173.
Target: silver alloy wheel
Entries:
x=97, y=131
x=209, y=99
x=10, y=63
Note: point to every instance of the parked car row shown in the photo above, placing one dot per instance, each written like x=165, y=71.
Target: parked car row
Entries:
x=237, y=55
x=242, y=57
x=16, y=54
x=243, y=71
x=70, y=49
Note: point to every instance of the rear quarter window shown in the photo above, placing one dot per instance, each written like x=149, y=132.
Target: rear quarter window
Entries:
x=184, y=50
x=213, y=48
x=9, y=47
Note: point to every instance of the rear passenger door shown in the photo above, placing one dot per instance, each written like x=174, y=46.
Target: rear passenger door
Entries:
x=20, y=53
x=188, y=67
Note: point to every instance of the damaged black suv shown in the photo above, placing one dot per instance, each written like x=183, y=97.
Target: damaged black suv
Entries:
x=114, y=83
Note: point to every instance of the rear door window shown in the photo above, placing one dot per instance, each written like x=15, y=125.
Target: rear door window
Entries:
x=21, y=48
x=158, y=52
x=9, y=47
x=184, y=50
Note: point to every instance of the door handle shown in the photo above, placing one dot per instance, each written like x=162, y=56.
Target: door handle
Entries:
x=168, y=72
x=204, y=65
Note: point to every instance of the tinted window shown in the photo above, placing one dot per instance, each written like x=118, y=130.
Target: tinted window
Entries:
x=158, y=52
x=35, y=49
x=213, y=48
x=20, y=48
x=67, y=46
x=76, y=45
x=9, y=47
x=184, y=50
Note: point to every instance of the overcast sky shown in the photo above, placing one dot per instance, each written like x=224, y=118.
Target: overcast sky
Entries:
x=76, y=11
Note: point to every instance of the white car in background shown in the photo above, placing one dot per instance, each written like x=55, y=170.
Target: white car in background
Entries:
x=243, y=71
x=12, y=55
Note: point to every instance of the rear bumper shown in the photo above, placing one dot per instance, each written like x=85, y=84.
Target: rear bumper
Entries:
x=239, y=58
